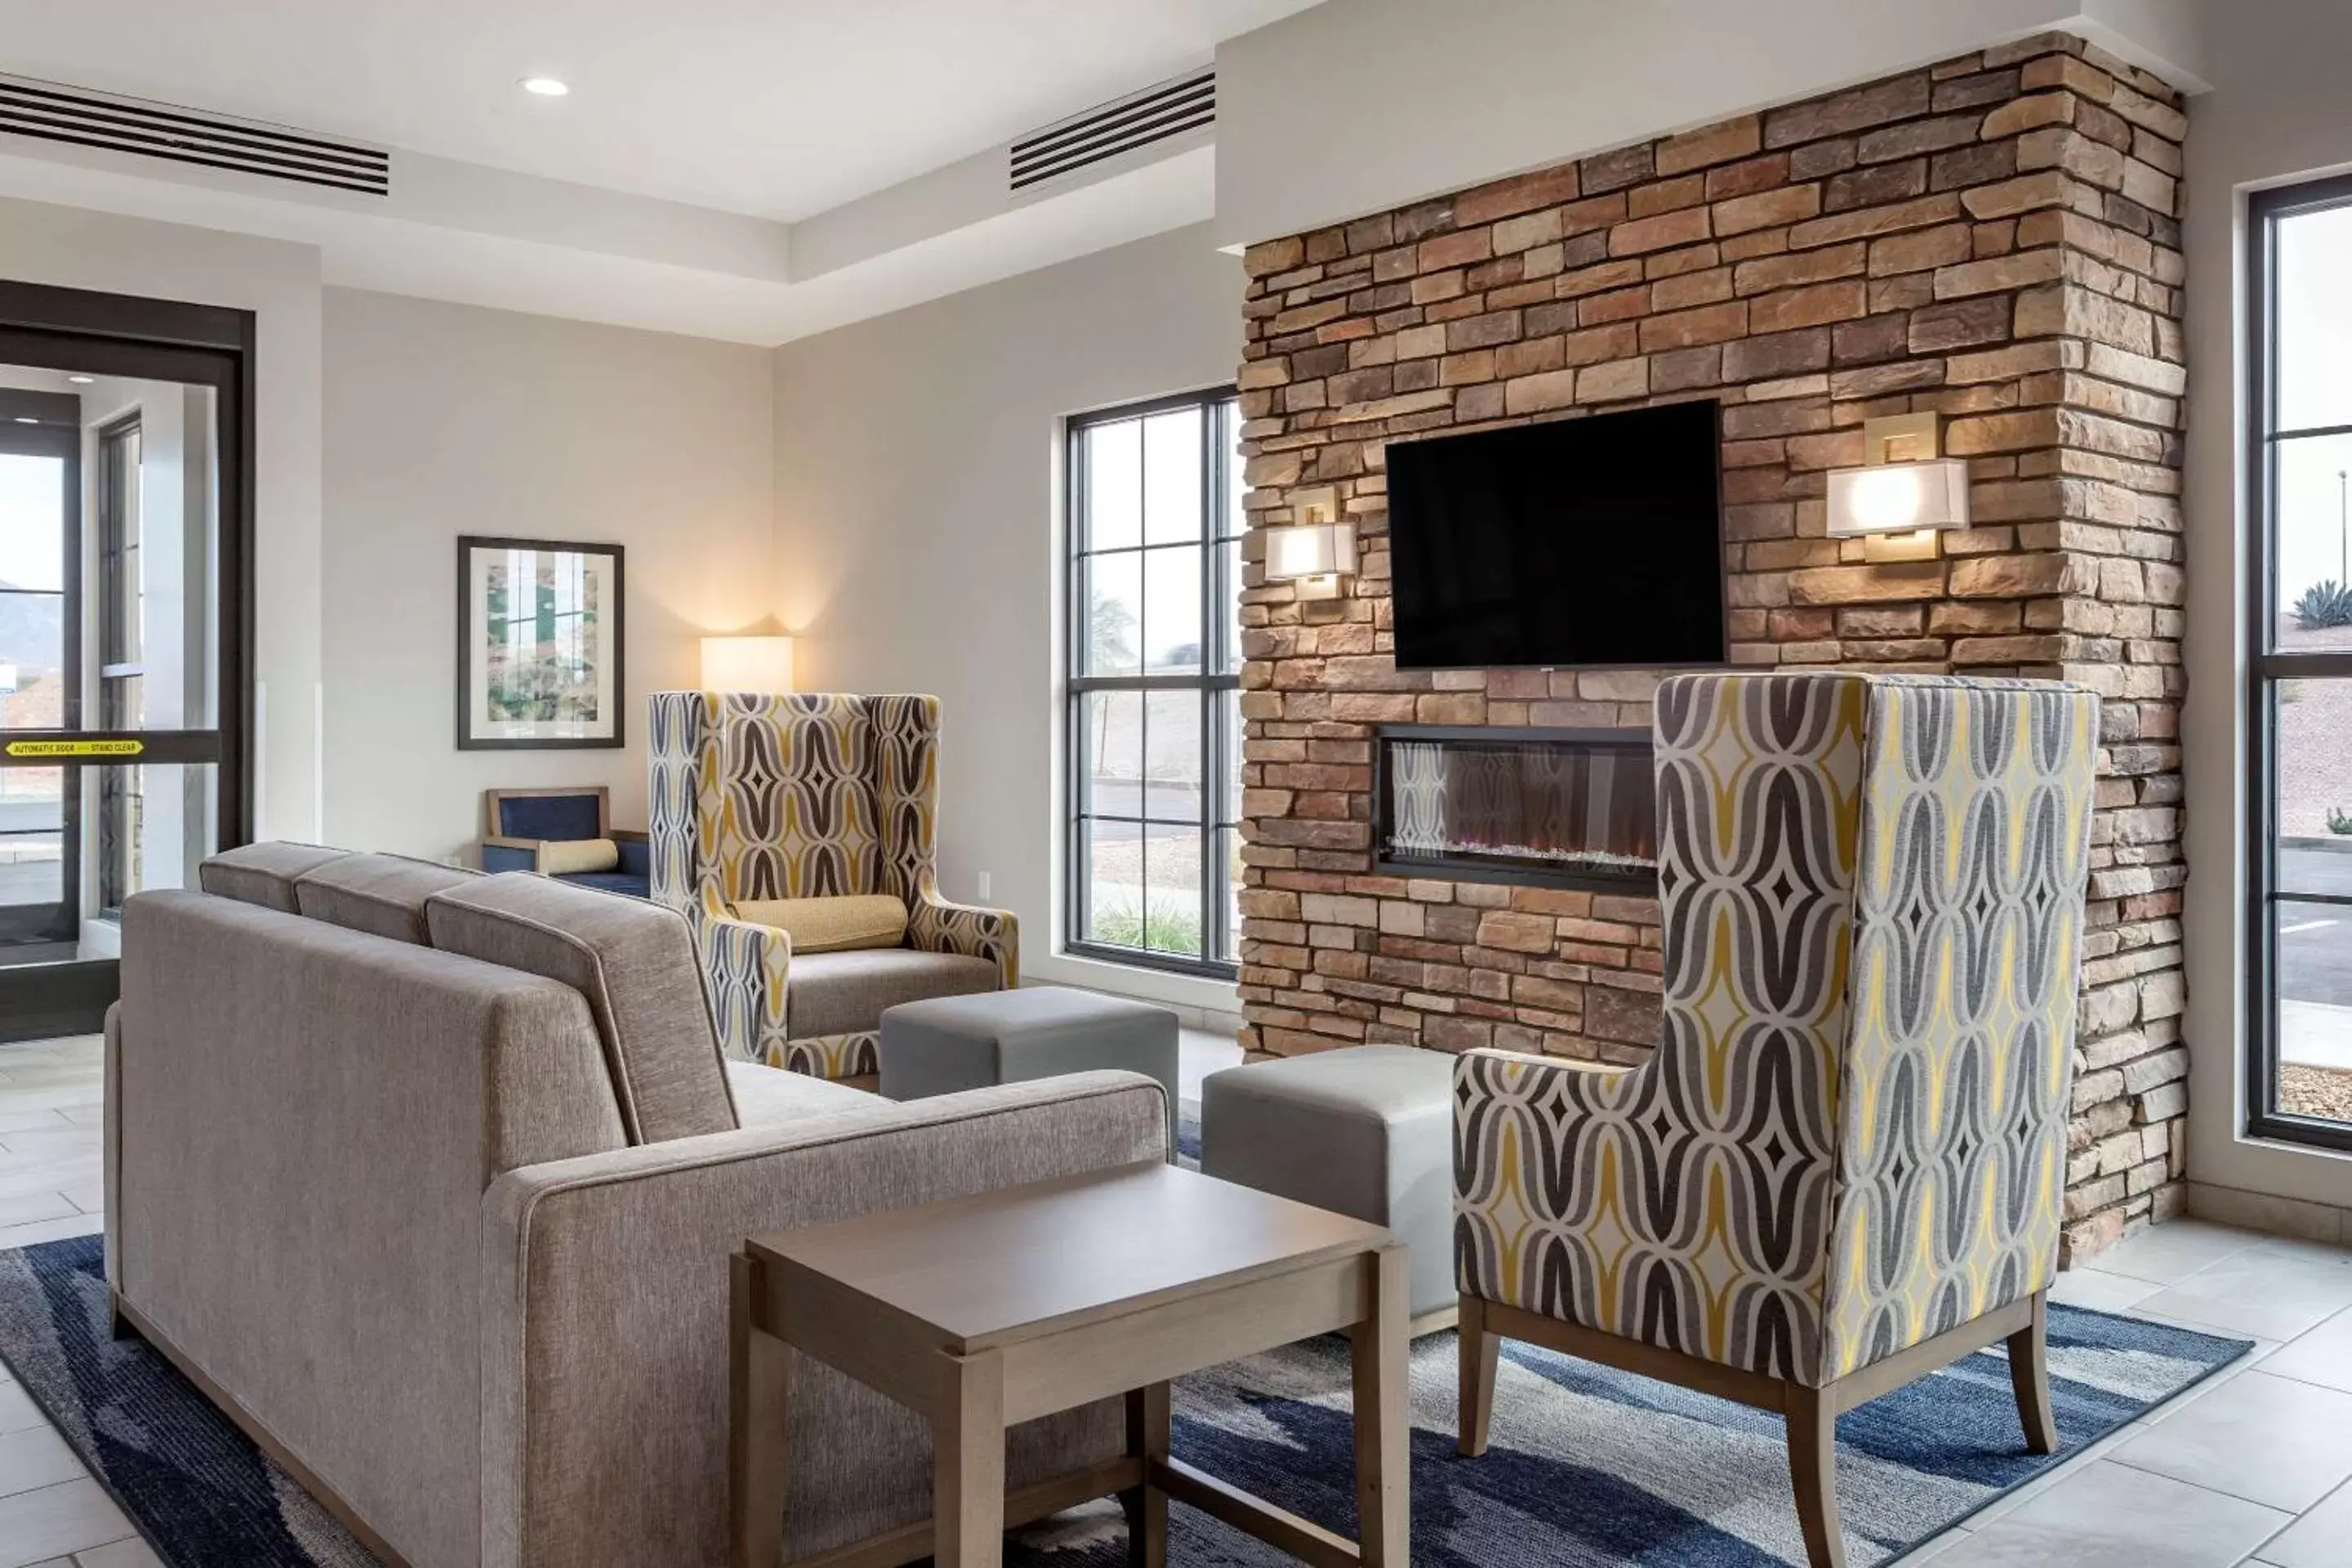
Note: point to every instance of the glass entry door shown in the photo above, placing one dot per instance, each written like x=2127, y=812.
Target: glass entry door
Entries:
x=40, y=512
x=123, y=564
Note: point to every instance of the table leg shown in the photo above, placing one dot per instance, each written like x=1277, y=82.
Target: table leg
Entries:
x=1384, y=1433
x=968, y=1469
x=759, y=1391
x=1146, y=1505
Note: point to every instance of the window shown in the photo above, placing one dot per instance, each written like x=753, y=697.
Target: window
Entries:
x=2299, y=622
x=1154, y=721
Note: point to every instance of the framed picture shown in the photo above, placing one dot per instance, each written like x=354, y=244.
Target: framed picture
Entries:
x=539, y=644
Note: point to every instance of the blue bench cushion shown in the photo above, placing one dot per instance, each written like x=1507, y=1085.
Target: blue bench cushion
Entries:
x=634, y=886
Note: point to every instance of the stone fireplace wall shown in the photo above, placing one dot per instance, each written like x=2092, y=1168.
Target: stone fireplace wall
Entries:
x=1996, y=239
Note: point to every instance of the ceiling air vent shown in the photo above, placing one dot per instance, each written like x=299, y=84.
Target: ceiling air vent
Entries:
x=1156, y=114
x=52, y=112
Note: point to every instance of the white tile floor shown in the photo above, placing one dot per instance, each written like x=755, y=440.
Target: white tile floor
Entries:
x=2254, y=1467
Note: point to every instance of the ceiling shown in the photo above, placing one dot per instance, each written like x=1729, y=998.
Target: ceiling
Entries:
x=775, y=107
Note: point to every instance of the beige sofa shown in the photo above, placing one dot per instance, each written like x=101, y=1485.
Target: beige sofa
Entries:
x=431, y=1179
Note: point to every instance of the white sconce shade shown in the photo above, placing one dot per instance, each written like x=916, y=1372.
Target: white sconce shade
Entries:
x=761, y=665
x=1309, y=550
x=1311, y=557
x=1898, y=497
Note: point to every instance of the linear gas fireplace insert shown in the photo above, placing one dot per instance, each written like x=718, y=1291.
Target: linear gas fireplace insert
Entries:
x=1557, y=808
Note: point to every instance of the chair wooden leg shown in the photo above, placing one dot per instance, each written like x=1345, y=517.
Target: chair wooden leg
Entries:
x=1812, y=1467
x=2029, y=1373
x=1478, y=1351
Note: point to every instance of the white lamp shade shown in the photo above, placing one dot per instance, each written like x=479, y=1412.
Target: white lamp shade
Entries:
x=761, y=665
x=1310, y=550
x=1898, y=497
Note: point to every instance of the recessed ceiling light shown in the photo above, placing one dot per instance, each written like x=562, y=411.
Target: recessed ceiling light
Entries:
x=545, y=86
x=26, y=419
x=82, y=380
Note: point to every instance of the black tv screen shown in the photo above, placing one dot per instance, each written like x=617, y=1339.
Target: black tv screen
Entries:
x=1596, y=541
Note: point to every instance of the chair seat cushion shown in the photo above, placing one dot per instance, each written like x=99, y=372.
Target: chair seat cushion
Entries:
x=831, y=925
x=634, y=886
x=765, y=1096
x=844, y=992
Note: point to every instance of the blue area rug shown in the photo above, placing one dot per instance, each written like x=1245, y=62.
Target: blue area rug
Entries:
x=1588, y=1466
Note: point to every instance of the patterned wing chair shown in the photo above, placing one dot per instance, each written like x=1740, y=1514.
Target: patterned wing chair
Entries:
x=1842, y=1167
x=803, y=796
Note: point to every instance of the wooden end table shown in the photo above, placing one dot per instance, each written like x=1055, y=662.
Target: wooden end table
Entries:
x=985, y=1311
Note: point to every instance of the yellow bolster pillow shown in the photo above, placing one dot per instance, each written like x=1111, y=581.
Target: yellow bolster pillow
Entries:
x=566, y=857
x=831, y=925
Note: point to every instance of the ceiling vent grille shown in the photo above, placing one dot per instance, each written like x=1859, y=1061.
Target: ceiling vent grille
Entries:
x=50, y=111
x=1156, y=114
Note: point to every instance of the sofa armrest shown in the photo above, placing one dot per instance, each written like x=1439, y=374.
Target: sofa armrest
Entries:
x=501, y=852
x=936, y=925
x=605, y=1301
x=636, y=852
x=744, y=969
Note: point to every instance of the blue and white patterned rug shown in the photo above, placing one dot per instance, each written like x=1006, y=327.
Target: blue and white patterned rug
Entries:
x=1588, y=1466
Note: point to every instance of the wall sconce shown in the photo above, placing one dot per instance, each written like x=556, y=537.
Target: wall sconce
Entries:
x=763, y=665
x=1904, y=495
x=1313, y=554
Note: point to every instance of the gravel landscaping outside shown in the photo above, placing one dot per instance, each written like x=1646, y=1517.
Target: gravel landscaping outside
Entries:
x=2323, y=1092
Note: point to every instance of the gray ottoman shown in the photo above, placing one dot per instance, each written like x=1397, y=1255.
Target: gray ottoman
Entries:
x=1366, y=1131
x=951, y=1043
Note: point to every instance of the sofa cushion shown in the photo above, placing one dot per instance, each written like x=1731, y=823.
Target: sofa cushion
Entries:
x=844, y=992
x=765, y=1096
x=563, y=857
x=831, y=925
x=381, y=894
x=263, y=873
x=634, y=961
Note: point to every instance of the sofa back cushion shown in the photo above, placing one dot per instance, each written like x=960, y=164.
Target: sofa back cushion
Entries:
x=632, y=961
x=263, y=873
x=382, y=895
x=530, y=815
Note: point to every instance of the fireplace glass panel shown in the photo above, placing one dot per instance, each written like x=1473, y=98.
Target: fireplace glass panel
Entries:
x=1574, y=807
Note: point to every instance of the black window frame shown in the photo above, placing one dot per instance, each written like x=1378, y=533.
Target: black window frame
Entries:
x=1218, y=680
x=120, y=617
x=2268, y=667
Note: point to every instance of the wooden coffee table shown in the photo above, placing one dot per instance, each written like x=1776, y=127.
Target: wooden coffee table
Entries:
x=983, y=1312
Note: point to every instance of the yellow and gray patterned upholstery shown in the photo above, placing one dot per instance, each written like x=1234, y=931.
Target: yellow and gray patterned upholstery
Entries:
x=1852, y=1135
x=800, y=797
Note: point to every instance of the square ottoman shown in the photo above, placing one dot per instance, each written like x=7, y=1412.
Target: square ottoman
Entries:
x=1367, y=1132
x=951, y=1043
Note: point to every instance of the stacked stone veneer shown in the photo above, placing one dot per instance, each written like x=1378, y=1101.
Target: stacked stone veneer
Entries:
x=1995, y=238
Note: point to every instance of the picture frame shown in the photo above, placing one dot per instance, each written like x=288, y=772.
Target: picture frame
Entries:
x=550, y=676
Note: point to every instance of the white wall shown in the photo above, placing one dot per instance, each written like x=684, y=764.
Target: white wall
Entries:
x=1357, y=107
x=917, y=462
x=2281, y=109
x=280, y=282
x=448, y=419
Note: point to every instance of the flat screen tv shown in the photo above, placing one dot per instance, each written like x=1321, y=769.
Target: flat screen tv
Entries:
x=1595, y=541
